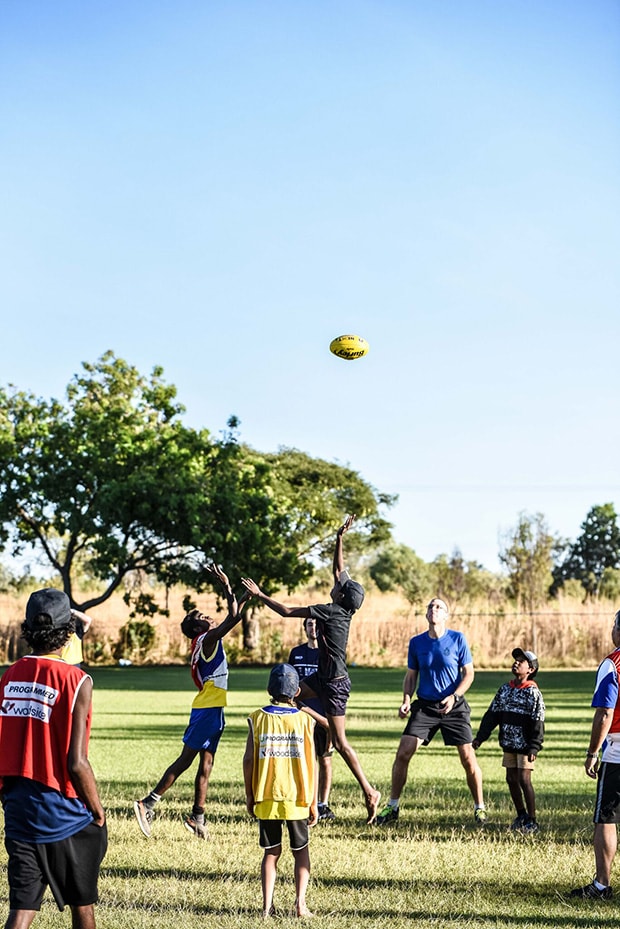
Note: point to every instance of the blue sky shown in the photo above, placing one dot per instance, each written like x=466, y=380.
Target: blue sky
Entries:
x=223, y=187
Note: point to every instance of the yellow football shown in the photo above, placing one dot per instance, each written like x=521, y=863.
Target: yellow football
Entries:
x=349, y=347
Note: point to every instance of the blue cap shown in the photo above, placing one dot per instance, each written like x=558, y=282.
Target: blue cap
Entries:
x=283, y=681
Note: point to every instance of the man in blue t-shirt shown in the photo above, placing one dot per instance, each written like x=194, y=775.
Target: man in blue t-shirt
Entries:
x=441, y=666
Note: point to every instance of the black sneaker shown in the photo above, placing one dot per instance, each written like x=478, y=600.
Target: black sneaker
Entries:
x=325, y=814
x=530, y=827
x=389, y=814
x=517, y=824
x=591, y=892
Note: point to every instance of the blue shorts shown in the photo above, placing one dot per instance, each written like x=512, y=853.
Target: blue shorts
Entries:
x=205, y=729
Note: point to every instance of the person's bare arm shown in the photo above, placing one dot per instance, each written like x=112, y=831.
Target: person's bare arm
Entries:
x=235, y=611
x=601, y=724
x=277, y=607
x=248, y=770
x=313, y=813
x=84, y=619
x=338, y=551
x=78, y=765
x=316, y=716
x=409, y=684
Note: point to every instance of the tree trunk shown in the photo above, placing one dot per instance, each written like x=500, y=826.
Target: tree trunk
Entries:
x=251, y=632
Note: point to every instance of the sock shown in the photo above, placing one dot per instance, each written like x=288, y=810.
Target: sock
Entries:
x=480, y=806
x=150, y=801
x=598, y=885
x=394, y=804
x=198, y=814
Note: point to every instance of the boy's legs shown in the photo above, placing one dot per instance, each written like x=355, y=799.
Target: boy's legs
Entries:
x=201, y=783
x=525, y=783
x=20, y=919
x=83, y=917
x=144, y=808
x=302, y=876
x=196, y=822
x=338, y=735
x=325, y=778
x=334, y=695
x=178, y=766
x=514, y=786
x=268, y=872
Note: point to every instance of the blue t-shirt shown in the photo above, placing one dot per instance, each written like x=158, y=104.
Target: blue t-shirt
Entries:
x=438, y=663
x=606, y=687
x=38, y=814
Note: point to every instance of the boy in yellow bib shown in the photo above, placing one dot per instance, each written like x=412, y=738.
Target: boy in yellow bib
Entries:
x=280, y=782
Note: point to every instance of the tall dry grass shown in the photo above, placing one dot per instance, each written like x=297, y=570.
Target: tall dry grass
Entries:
x=567, y=633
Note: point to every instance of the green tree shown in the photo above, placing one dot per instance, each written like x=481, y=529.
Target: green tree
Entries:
x=111, y=481
x=458, y=581
x=594, y=552
x=316, y=494
x=397, y=567
x=527, y=554
x=111, y=485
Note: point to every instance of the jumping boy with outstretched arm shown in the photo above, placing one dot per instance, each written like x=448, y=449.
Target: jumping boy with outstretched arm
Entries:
x=331, y=682
x=210, y=674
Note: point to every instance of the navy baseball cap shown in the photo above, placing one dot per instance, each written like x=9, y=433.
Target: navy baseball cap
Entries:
x=51, y=602
x=283, y=681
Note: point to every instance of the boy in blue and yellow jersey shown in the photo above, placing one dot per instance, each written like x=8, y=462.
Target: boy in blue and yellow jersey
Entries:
x=280, y=782
x=209, y=670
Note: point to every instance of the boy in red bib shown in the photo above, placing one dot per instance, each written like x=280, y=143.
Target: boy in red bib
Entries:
x=55, y=831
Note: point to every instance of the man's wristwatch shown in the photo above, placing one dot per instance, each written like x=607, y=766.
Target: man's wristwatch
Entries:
x=591, y=754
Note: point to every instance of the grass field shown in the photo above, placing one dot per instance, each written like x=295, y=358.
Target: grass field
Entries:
x=433, y=867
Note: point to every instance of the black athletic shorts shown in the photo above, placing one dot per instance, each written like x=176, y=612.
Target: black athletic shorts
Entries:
x=270, y=833
x=321, y=742
x=332, y=694
x=70, y=868
x=425, y=720
x=607, y=807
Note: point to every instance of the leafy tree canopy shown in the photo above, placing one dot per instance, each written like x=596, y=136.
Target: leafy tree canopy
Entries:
x=594, y=554
x=459, y=581
x=397, y=567
x=527, y=554
x=111, y=483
